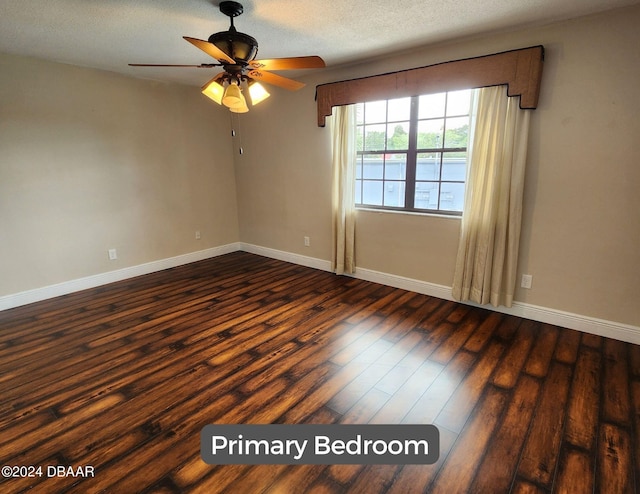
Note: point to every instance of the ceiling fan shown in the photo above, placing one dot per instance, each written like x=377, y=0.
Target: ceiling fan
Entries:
x=235, y=53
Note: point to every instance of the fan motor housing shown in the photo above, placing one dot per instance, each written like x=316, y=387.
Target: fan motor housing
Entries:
x=239, y=46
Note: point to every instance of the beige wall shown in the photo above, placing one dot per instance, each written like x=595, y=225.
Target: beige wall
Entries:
x=581, y=229
x=91, y=160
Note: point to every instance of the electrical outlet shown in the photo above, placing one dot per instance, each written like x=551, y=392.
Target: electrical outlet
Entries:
x=198, y=237
x=527, y=279
x=113, y=254
x=307, y=241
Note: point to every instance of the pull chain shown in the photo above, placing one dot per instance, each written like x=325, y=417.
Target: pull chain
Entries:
x=235, y=134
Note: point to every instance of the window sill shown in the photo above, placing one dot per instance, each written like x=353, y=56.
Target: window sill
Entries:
x=410, y=213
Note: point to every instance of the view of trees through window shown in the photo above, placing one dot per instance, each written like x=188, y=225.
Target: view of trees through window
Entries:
x=412, y=152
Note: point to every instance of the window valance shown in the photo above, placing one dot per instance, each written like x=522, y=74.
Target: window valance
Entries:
x=520, y=70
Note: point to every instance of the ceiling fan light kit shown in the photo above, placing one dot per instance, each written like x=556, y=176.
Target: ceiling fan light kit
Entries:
x=230, y=94
x=236, y=52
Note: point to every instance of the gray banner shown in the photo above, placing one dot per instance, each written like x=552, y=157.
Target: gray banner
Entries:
x=316, y=444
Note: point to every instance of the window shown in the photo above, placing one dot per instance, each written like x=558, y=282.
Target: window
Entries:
x=412, y=152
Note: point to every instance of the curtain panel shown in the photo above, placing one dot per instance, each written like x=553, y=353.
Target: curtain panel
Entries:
x=343, y=188
x=487, y=256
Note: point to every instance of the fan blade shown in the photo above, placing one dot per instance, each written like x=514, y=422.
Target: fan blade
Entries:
x=210, y=49
x=312, y=62
x=276, y=80
x=200, y=66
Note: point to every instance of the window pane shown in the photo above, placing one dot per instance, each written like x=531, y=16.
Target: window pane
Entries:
x=426, y=196
x=373, y=166
x=394, y=194
x=372, y=192
x=399, y=109
x=457, y=134
x=375, y=136
x=398, y=135
x=395, y=167
x=428, y=166
x=431, y=105
x=385, y=131
x=375, y=112
x=458, y=102
x=454, y=166
x=430, y=134
x=451, y=196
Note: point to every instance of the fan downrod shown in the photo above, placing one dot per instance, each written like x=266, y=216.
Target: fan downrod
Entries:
x=231, y=9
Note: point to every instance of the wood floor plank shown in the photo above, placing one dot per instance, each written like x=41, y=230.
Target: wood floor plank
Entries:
x=458, y=314
x=348, y=396
x=369, y=310
x=615, y=467
x=409, y=317
x=540, y=356
x=461, y=464
x=124, y=376
x=402, y=352
x=483, y=333
x=445, y=352
x=567, y=347
x=576, y=473
x=408, y=394
x=524, y=487
x=591, y=340
x=458, y=409
x=507, y=328
x=366, y=407
x=542, y=447
x=438, y=393
x=616, y=406
x=508, y=370
x=496, y=472
x=366, y=338
x=582, y=415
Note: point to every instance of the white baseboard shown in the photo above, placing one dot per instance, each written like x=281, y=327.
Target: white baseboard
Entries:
x=38, y=294
x=586, y=324
x=310, y=262
x=410, y=284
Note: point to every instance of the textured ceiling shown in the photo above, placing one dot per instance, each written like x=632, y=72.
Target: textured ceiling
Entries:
x=108, y=34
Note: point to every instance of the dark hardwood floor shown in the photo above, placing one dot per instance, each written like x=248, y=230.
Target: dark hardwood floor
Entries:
x=123, y=378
